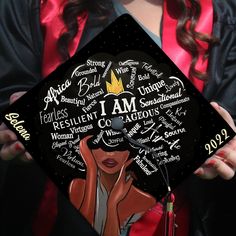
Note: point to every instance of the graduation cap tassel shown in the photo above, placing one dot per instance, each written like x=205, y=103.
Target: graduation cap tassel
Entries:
x=169, y=215
x=118, y=124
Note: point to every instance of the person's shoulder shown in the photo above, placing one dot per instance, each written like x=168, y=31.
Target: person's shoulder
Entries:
x=228, y=4
x=75, y=185
x=142, y=199
x=12, y=3
x=20, y=6
x=21, y=16
x=225, y=10
x=76, y=192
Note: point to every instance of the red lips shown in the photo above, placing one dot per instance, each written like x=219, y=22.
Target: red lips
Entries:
x=110, y=163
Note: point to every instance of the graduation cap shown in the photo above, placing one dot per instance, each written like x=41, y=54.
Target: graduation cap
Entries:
x=119, y=95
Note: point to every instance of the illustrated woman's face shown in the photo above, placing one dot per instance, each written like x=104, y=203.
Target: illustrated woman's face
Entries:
x=110, y=162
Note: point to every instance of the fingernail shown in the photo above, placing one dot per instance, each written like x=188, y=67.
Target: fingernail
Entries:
x=28, y=156
x=221, y=154
x=211, y=163
x=198, y=172
x=18, y=147
x=216, y=105
x=14, y=97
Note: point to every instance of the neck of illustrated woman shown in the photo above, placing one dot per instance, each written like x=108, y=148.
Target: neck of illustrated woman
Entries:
x=108, y=180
